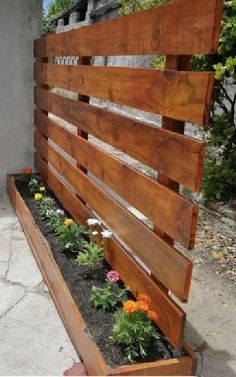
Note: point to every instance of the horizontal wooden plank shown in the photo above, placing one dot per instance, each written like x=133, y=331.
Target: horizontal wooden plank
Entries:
x=171, y=317
x=181, y=28
x=162, y=150
x=175, y=94
x=167, y=264
x=182, y=366
x=154, y=200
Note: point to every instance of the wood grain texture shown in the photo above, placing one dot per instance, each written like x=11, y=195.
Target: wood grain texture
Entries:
x=182, y=27
x=175, y=367
x=166, y=263
x=154, y=200
x=66, y=306
x=171, y=317
x=178, y=95
x=162, y=150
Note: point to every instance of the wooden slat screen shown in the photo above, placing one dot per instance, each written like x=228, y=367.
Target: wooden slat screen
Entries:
x=180, y=28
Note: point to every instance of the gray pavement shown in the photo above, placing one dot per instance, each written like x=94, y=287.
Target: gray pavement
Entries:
x=33, y=340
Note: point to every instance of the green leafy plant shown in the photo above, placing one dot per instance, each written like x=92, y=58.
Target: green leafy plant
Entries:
x=110, y=295
x=71, y=235
x=219, y=175
x=134, y=329
x=91, y=256
x=55, y=10
x=34, y=185
x=55, y=218
x=45, y=205
x=131, y=6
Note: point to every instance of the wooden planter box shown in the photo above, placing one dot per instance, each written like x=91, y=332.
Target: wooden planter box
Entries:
x=69, y=312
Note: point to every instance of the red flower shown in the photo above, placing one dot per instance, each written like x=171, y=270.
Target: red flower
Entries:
x=26, y=171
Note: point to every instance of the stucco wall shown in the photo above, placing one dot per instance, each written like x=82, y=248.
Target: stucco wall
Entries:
x=19, y=24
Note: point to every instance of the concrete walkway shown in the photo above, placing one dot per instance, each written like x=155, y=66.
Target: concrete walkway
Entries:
x=33, y=340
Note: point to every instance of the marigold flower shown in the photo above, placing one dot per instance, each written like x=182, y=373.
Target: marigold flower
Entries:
x=42, y=189
x=113, y=276
x=26, y=171
x=142, y=306
x=38, y=196
x=129, y=307
x=68, y=222
x=144, y=298
x=152, y=314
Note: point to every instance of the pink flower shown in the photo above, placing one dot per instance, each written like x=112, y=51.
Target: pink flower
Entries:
x=113, y=276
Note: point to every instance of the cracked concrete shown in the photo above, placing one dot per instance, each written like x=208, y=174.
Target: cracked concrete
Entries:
x=33, y=340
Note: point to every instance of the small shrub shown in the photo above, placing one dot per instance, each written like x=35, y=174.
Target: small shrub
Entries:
x=110, y=295
x=45, y=205
x=91, y=256
x=71, y=235
x=134, y=329
x=34, y=185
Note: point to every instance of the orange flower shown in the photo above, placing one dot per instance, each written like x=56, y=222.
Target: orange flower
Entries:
x=26, y=171
x=144, y=298
x=142, y=306
x=152, y=314
x=129, y=307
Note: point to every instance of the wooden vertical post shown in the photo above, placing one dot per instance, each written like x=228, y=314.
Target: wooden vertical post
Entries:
x=83, y=60
x=47, y=87
x=173, y=63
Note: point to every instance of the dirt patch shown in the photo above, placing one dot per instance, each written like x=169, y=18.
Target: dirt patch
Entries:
x=215, y=248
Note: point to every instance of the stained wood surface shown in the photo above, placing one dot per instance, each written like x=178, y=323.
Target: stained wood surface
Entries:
x=166, y=263
x=174, y=367
x=66, y=306
x=171, y=317
x=160, y=149
x=154, y=200
x=180, y=95
x=182, y=27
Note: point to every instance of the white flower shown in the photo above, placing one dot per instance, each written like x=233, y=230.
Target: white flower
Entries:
x=50, y=212
x=94, y=233
x=60, y=212
x=106, y=233
x=93, y=222
x=33, y=181
x=68, y=245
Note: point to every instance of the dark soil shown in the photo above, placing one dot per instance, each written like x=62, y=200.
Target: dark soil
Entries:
x=80, y=283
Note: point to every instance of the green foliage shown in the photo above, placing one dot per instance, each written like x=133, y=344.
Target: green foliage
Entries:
x=55, y=219
x=220, y=178
x=45, y=206
x=34, y=185
x=107, y=297
x=134, y=332
x=91, y=255
x=131, y=6
x=219, y=181
x=55, y=9
x=71, y=236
